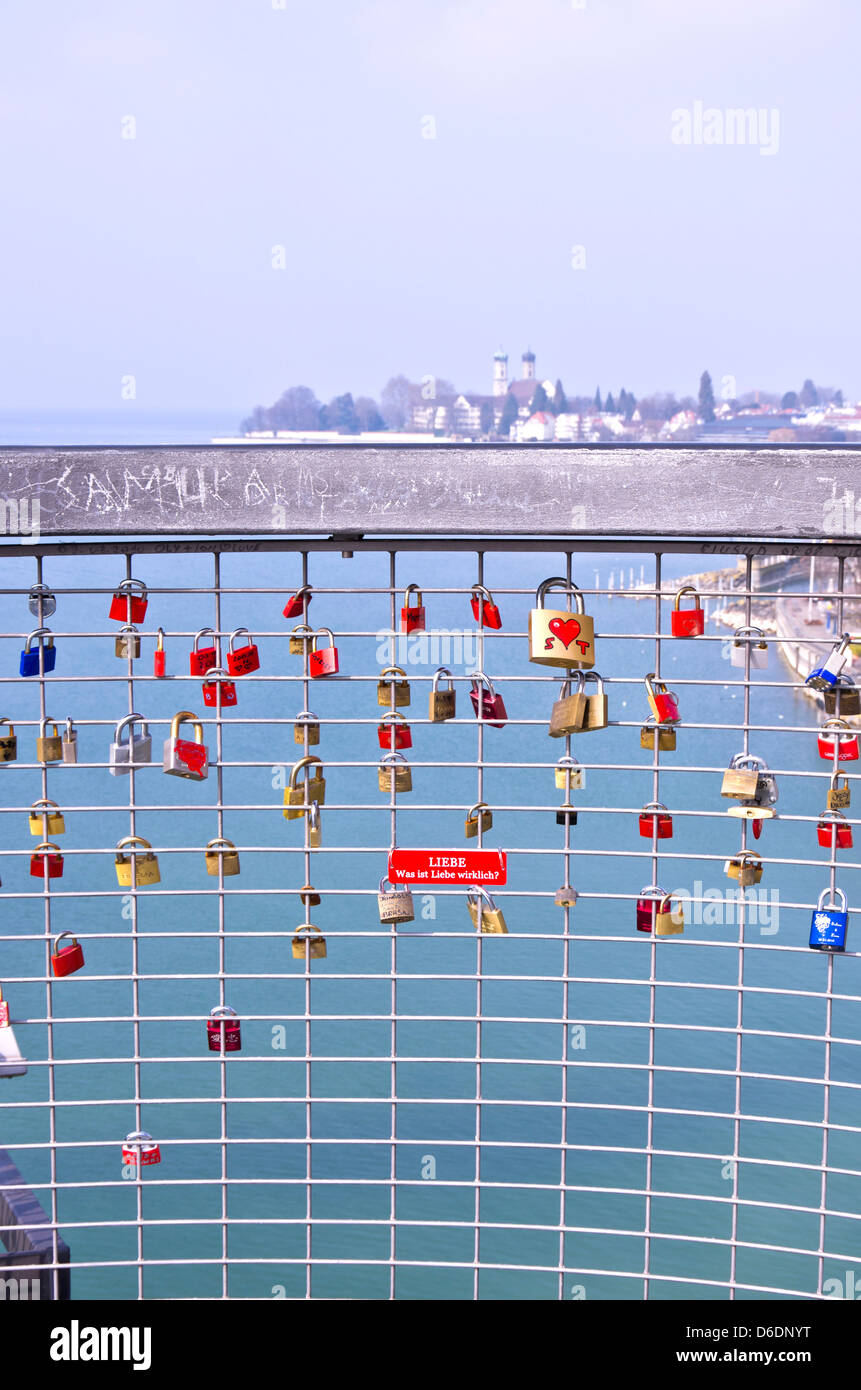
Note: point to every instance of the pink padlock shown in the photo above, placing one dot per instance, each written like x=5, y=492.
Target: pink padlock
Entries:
x=223, y=1021
x=836, y=733
x=487, y=704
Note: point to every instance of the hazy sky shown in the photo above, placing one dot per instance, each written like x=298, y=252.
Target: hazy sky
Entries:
x=303, y=124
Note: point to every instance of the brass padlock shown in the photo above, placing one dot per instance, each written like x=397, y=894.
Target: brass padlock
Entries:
x=557, y=637
x=395, y=765
x=843, y=698
x=309, y=895
x=223, y=852
x=566, y=896
x=568, y=712
x=303, y=942
x=49, y=747
x=479, y=812
x=745, y=867
x=8, y=743
x=569, y=775
x=395, y=904
x=127, y=642
x=596, y=713
x=301, y=635
x=838, y=797
x=669, y=921
x=441, y=704
x=315, y=826
x=666, y=735
x=306, y=723
x=314, y=788
x=741, y=777
x=393, y=692
x=482, y=909
x=46, y=822
x=136, y=871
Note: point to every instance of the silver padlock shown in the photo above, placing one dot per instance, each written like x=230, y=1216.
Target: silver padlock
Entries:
x=766, y=788
x=70, y=743
x=395, y=903
x=758, y=650
x=136, y=751
x=182, y=758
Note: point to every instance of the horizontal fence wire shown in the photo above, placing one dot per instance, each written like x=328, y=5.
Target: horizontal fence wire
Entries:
x=800, y=1240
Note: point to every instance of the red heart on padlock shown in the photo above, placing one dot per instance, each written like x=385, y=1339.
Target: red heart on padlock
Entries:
x=560, y=626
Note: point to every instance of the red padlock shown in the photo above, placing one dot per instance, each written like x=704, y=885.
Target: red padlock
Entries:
x=140, y=1145
x=215, y=678
x=244, y=659
x=297, y=606
x=837, y=732
x=485, y=701
x=413, y=616
x=324, y=663
x=661, y=700
x=687, y=622
x=127, y=606
x=647, y=907
x=394, y=735
x=158, y=655
x=65, y=960
x=202, y=659
x=42, y=856
x=832, y=820
x=656, y=816
x=484, y=610
x=222, y=1022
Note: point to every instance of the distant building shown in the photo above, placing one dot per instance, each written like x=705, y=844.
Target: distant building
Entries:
x=541, y=427
x=500, y=373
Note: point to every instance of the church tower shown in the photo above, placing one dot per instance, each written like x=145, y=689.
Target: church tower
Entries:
x=500, y=373
x=528, y=361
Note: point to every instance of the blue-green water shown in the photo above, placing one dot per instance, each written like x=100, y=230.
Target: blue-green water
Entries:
x=436, y=1110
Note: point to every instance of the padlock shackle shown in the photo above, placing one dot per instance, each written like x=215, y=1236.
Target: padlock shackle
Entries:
x=159, y=646
x=221, y=841
x=202, y=633
x=43, y=722
x=128, y=627
x=44, y=802
x=835, y=893
x=217, y=673
x=139, y=1136
x=593, y=676
x=571, y=590
x=478, y=678
x=222, y=1011
x=832, y=816
x=69, y=726
x=393, y=757
x=838, y=727
x=651, y=681
x=47, y=847
x=233, y=636
x=472, y=813
x=37, y=632
x=303, y=762
x=653, y=891
x=747, y=854
x=834, y=777
x=313, y=815
x=393, y=714
x=6, y=720
x=133, y=840
x=412, y=589
x=395, y=670
x=306, y=926
x=185, y=716
x=126, y=584
x=58, y=939
x=442, y=671
x=476, y=891
x=654, y=807
x=127, y=724
x=687, y=589
x=480, y=589
x=302, y=630
x=749, y=760
x=741, y=631
x=575, y=675
x=318, y=632
x=567, y=762
x=844, y=679
x=306, y=716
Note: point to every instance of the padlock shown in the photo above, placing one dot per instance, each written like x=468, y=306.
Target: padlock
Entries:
x=824, y=676
x=687, y=622
x=413, y=616
x=566, y=815
x=595, y=716
x=313, y=789
x=828, y=924
x=441, y=704
x=670, y=920
x=41, y=602
x=393, y=692
x=242, y=660
x=30, y=659
x=835, y=736
x=8, y=743
x=127, y=642
x=488, y=706
x=128, y=606
x=306, y=724
x=746, y=867
x=766, y=787
x=484, y=913
x=135, y=752
x=484, y=610
x=569, y=711
x=303, y=942
x=223, y=1030
x=140, y=1148
x=392, y=735
x=215, y=680
x=4, y=1012
x=309, y=895
x=395, y=904
x=325, y=662
x=315, y=826
x=297, y=606
x=65, y=960
x=758, y=651
x=662, y=702
x=46, y=822
x=838, y=797
x=182, y=758
x=70, y=742
x=666, y=735
x=569, y=775
x=482, y=813
x=134, y=870
x=647, y=906
x=43, y=859
x=566, y=896
x=202, y=659
x=158, y=657
x=299, y=639
x=395, y=765
x=656, y=819
x=49, y=747
x=556, y=636
x=833, y=829
x=222, y=852
x=842, y=699
x=741, y=778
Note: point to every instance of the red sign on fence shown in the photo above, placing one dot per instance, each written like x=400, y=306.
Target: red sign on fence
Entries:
x=482, y=866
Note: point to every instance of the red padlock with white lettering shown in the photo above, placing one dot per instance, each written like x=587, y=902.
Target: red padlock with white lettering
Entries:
x=222, y=1022
x=65, y=960
x=393, y=734
x=687, y=622
x=202, y=659
x=214, y=679
x=836, y=734
x=325, y=662
x=484, y=610
x=182, y=758
x=485, y=701
x=655, y=815
x=4, y=1012
x=831, y=821
x=158, y=656
x=46, y=854
x=413, y=616
x=140, y=1146
x=662, y=702
x=297, y=606
x=128, y=606
x=241, y=661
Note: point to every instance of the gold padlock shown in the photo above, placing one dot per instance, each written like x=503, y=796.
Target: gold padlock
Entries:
x=558, y=637
x=441, y=703
x=568, y=712
x=596, y=713
x=301, y=635
x=314, y=788
x=8, y=743
x=136, y=871
x=309, y=895
x=127, y=642
x=666, y=735
x=569, y=775
x=745, y=867
x=306, y=723
x=741, y=777
x=480, y=811
x=395, y=765
x=314, y=945
x=669, y=921
x=224, y=852
x=483, y=909
x=49, y=747
x=838, y=797
x=393, y=692
x=47, y=822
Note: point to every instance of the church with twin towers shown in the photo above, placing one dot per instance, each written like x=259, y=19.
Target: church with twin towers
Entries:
x=474, y=413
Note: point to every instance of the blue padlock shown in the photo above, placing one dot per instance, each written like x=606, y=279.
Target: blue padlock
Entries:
x=828, y=924
x=824, y=677
x=30, y=659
